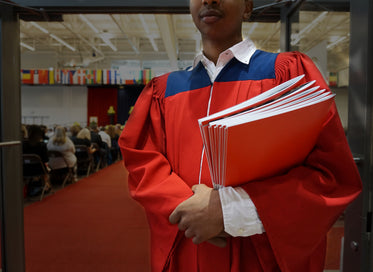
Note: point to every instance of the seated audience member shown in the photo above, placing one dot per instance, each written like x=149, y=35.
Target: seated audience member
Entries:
x=95, y=137
x=60, y=142
x=24, y=132
x=44, y=130
x=84, y=138
x=74, y=130
x=114, y=150
x=33, y=144
x=118, y=129
x=105, y=137
x=107, y=142
x=101, y=146
x=50, y=132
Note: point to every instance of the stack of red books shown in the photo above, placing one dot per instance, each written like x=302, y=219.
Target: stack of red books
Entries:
x=265, y=135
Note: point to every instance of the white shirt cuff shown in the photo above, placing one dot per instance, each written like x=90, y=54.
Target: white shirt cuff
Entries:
x=239, y=213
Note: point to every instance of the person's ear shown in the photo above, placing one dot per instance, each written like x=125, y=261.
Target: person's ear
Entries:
x=248, y=9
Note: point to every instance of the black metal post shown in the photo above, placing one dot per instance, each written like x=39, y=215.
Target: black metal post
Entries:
x=358, y=253
x=11, y=193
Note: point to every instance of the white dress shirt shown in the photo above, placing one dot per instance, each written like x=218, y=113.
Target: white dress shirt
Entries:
x=239, y=212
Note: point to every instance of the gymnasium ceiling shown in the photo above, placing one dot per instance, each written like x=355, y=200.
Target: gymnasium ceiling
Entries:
x=96, y=39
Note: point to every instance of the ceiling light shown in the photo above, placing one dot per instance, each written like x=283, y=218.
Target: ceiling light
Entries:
x=308, y=28
x=104, y=36
x=125, y=35
x=81, y=16
x=145, y=26
x=338, y=41
x=27, y=46
x=108, y=42
x=39, y=27
x=63, y=42
x=252, y=28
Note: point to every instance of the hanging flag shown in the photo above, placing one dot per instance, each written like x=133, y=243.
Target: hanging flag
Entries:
x=106, y=75
x=89, y=76
x=98, y=76
x=51, y=76
x=43, y=76
x=26, y=76
x=57, y=76
x=65, y=77
x=73, y=77
x=118, y=79
x=112, y=77
x=81, y=77
x=36, y=77
x=333, y=79
x=93, y=76
x=148, y=75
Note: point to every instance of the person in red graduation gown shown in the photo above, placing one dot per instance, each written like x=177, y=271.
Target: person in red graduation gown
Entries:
x=275, y=224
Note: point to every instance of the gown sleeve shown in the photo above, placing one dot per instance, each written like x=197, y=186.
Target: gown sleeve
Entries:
x=151, y=180
x=299, y=207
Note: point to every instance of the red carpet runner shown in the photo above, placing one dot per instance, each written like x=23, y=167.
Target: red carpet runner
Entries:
x=94, y=225
x=91, y=225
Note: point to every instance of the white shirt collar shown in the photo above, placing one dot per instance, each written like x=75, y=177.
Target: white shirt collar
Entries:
x=242, y=51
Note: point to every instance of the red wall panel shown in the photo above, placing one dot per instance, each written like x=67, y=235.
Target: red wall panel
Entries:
x=99, y=101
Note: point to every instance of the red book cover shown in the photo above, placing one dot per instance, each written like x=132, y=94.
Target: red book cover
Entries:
x=255, y=140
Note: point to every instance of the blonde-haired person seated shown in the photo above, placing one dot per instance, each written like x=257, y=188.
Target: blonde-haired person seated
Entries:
x=84, y=138
x=61, y=143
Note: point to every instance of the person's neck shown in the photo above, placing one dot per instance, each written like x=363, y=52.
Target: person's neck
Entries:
x=212, y=49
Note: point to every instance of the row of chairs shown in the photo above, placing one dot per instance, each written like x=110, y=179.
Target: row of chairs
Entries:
x=34, y=169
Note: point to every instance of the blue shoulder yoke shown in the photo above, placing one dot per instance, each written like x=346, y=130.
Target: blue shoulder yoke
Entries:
x=261, y=66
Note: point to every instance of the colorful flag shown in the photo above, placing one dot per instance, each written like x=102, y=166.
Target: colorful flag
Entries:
x=43, y=76
x=36, y=77
x=51, y=76
x=65, y=77
x=57, y=76
x=89, y=76
x=73, y=77
x=81, y=77
x=112, y=77
x=26, y=76
x=99, y=76
x=105, y=76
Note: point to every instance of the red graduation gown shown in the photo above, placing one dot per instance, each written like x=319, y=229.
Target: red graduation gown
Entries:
x=161, y=146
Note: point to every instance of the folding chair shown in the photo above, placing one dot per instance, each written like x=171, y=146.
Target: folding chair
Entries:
x=70, y=171
x=84, y=159
x=34, y=169
x=98, y=156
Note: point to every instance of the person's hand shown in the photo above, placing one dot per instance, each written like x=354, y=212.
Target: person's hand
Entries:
x=220, y=240
x=201, y=216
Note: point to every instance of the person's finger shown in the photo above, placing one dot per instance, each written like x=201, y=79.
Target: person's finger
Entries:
x=174, y=217
x=182, y=224
x=218, y=241
x=188, y=233
x=197, y=240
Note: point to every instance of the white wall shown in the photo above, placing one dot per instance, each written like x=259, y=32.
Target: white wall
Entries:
x=51, y=105
x=343, y=77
